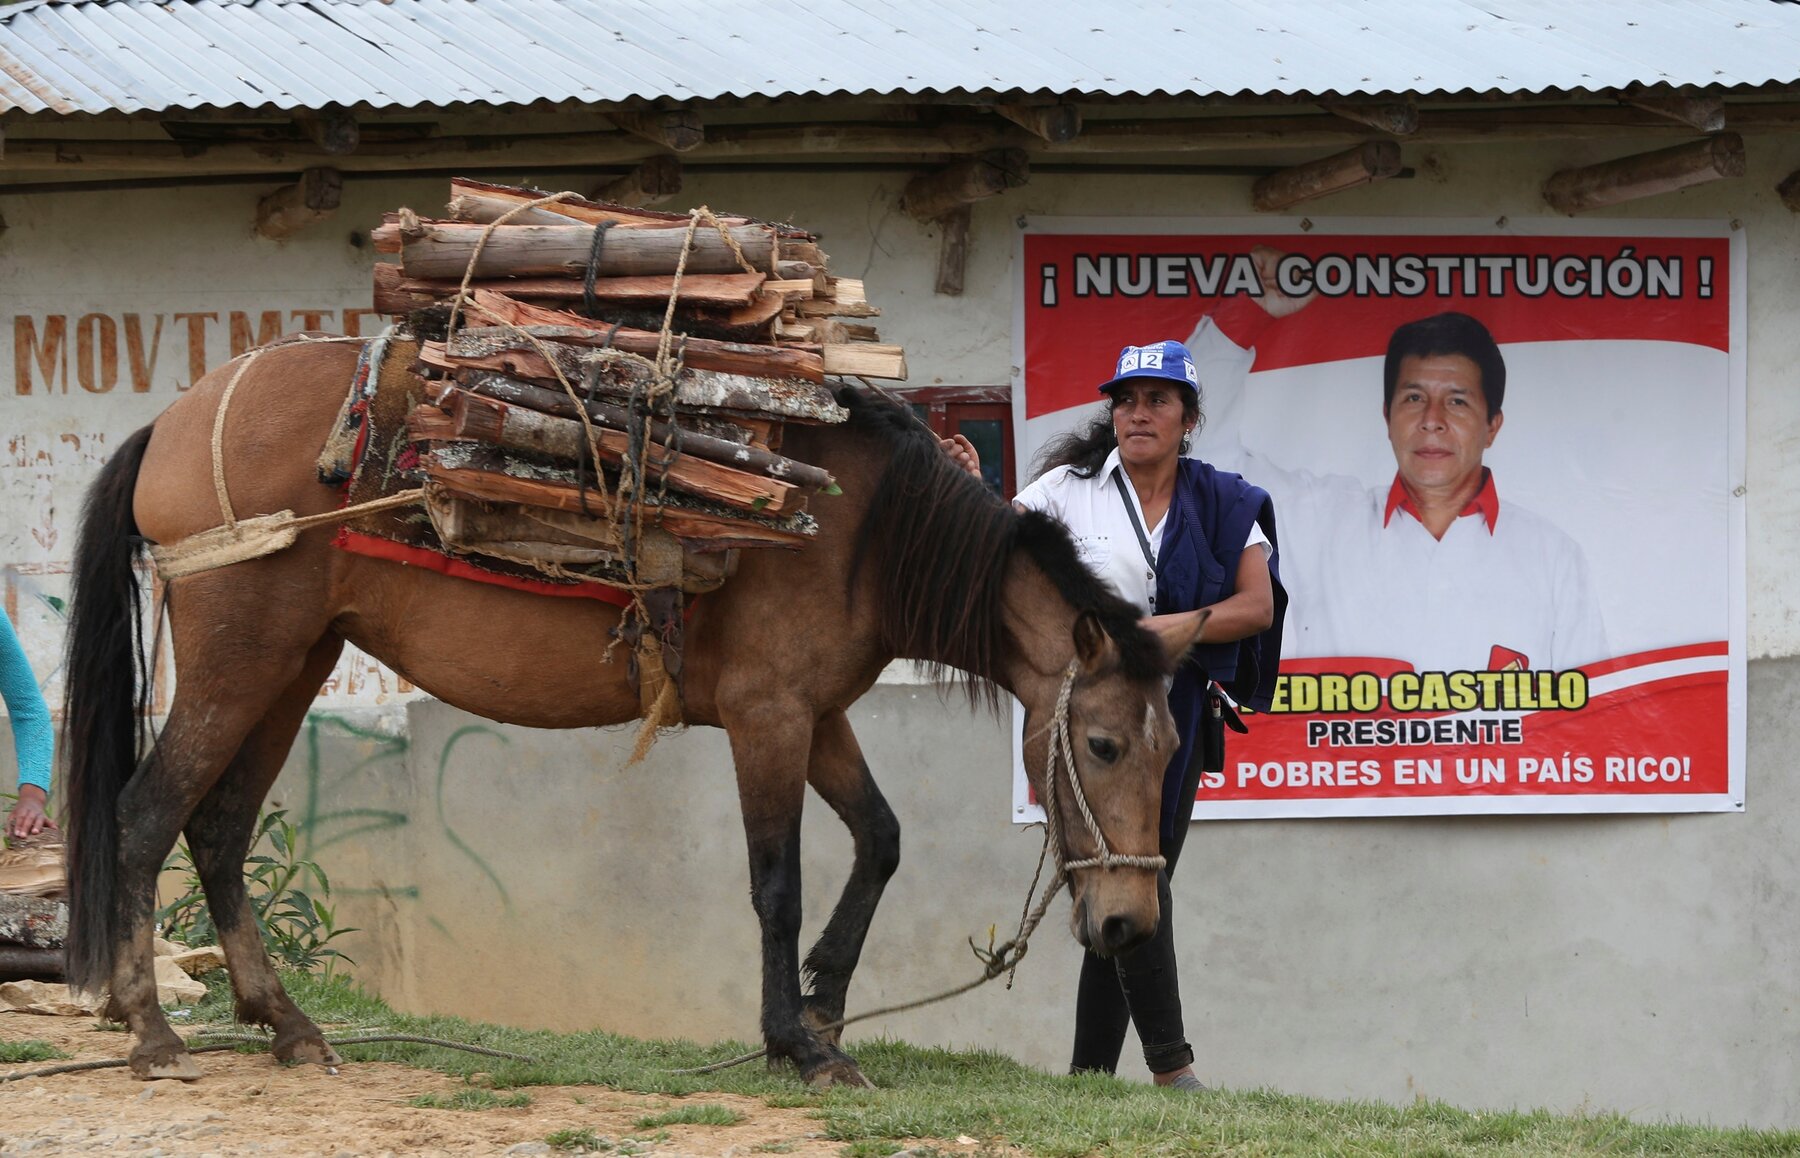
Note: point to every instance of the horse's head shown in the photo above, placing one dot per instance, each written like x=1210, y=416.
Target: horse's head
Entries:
x=1103, y=812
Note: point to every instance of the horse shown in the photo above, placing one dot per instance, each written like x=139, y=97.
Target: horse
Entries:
x=914, y=559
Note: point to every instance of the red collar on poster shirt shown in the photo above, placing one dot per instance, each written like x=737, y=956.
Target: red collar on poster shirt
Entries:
x=1486, y=502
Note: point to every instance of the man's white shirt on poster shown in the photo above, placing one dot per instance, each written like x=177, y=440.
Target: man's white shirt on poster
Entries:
x=1367, y=582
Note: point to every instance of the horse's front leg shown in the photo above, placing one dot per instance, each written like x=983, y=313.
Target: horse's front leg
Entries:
x=771, y=742
x=841, y=777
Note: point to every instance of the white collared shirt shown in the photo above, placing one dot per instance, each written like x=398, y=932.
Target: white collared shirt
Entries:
x=1095, y=514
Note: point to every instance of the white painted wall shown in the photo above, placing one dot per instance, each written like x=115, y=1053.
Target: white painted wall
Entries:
x=1359, y=958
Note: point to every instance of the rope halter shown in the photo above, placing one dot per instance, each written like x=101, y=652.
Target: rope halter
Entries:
x=1063, y=752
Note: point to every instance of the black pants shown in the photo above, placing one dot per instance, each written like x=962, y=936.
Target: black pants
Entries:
x=1141, y=987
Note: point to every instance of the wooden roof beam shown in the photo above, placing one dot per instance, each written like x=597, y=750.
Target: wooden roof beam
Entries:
x=1395, y=118
x=334, y=131
x=291, y=208
x=1366, y=164
x=930, y=196
x=1705, y=113
x=655, y=180
x=1646, y=174
x=1054, y=123
x=677, y=130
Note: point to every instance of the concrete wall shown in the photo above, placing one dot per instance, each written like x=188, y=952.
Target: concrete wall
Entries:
x=1642, y=964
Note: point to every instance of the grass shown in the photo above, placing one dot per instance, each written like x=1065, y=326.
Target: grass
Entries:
x=573, y=1139
x=939, y=1094
x=29, y=1051
x=701, y=1114
x=471, y=1099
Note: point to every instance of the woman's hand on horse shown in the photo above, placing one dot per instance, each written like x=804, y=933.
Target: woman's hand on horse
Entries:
x=962, y=452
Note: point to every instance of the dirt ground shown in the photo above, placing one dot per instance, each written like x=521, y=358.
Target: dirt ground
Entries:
x=246, y=1104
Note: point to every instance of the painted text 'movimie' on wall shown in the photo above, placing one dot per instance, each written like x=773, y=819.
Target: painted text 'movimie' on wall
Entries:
x=142, y=352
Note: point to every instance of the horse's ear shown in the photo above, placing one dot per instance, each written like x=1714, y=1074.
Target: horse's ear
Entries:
x=1179, y=637
x=1093, y=647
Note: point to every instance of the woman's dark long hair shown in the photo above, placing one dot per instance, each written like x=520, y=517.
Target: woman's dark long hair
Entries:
x=1084, y=449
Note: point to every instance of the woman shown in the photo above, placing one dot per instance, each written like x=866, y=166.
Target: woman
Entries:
x=32, y=735
x=1177, y=538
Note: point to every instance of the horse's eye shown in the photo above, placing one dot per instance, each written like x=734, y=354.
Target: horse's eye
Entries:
x=1103, y=749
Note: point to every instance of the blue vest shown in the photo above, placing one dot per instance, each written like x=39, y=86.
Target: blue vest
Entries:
x=1209, y=518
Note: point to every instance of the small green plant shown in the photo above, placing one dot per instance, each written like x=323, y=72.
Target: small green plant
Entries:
x=871, y=1148
x=471, y=1099
x=29, y=1051
x=289, y=897
x=572, y=1139
x=704, y=1114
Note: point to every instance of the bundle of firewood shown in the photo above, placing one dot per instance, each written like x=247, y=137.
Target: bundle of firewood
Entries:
x=586, y=409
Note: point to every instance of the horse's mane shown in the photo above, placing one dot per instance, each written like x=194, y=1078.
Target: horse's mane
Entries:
x=938, y=543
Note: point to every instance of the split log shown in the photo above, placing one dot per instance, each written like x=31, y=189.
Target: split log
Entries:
x=700, y=444
x=794, y=399
x=827, y=308
x=1646, y=174
x=700, y=353
x=437, y=249
x=483, y=202
x=865, y=359
x=714, y=532
x=33, y=921
x=307, y=201
x=520, y=428
x=395, y=293
x=753, y=324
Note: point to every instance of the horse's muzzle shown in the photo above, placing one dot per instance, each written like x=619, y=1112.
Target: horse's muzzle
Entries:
x=1113, y=934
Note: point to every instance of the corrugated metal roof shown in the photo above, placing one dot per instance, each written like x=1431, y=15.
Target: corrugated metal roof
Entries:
x=134, y=55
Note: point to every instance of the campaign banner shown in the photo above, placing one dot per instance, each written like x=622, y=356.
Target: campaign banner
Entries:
x=1568, y=638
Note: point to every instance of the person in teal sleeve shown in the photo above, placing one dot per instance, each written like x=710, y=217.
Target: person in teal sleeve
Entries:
x=33, y=736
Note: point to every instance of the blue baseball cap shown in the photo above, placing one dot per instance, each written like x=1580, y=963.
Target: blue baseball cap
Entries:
x=1166, y=360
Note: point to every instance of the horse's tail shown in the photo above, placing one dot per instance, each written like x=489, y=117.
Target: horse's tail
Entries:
x=108, y=688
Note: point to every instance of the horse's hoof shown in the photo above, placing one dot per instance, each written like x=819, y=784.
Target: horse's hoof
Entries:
x=179, y=1066
x=839, y=1072
x=312, y=1049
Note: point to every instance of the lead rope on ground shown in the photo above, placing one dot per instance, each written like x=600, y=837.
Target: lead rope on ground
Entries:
x=220, y=1041
x=1006, y=957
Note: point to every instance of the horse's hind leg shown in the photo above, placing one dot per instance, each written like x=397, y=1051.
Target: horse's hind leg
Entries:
x=219, y=836
x=841, y=777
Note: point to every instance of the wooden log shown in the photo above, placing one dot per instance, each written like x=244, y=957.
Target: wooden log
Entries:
x=1706, y=113
x=698, y=444
x=1054, y=123
x=292, y=208
x=700, y=353
x=826, y=308
x=1789, y=191
x=865, y=359
x=444, y=250
x=483, y=419
x=482, y=201
x=722, y=290
x=18, y=963
x=33, y=921
x=333, y=130
x=953, y=251
x=655, y=180
x=931, y=195
x=715, y=531
x=1646, y=174
x=793, y=399
x=676, y=129
x=1396, y=118
x=1369, y=162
